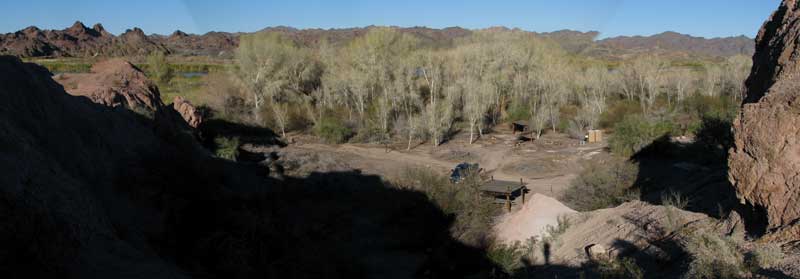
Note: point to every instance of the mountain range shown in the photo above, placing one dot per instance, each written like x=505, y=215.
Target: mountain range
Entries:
x=82, y=41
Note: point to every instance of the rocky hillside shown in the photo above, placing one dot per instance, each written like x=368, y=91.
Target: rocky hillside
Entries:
x=101, y=183
x=676, y=42
x=76, y=41
x=215, y=44
x=765, y=162
x=80, y=41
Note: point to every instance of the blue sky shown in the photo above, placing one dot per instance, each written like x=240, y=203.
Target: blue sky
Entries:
x=707, y=18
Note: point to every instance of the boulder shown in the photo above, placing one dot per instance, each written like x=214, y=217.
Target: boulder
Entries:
x=115, y=83
x=597, y=252
x=765, y=160
x=189, y=112
x=118, y=84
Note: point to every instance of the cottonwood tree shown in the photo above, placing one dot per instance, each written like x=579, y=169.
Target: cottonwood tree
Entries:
x=538, y=121
x=736, y=70
x=593, y=88
x=554, y=89
x=406, y=90
x=476, y=82
x=653, y=72
x=272, y=67
x=680, y=80
x=628, y=81
x=644, y=79
x=439, y=108
x=712, y=80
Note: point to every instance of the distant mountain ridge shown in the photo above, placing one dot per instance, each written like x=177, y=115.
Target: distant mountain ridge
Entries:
x=81, y=41
x=672, y=41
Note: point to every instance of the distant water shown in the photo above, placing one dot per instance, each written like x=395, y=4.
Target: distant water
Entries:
x=182, y=74
x=193, y=74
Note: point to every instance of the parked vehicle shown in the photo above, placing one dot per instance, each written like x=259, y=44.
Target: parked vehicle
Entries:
x=461, y=171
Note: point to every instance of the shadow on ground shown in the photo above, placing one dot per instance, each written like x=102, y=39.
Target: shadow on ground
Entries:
x=92, y=192
x=696, y=171
x=328, y=225
x=217, y=127
x=661, y=258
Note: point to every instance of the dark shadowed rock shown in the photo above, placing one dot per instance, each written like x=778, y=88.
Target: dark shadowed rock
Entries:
x=765, y=161
x=92, y=190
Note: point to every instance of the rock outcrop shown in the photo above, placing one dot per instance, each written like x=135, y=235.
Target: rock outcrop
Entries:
x=765, y=161
x=93, y=190
x=76, y=41
x=118, y=84
x=77, y=183
x=115, y=83
x=189, y=112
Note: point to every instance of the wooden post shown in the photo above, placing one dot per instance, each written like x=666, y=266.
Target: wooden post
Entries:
x=508, y=201
x=522, y=190
x=508, y=198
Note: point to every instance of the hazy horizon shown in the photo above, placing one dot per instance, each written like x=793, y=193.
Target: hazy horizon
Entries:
x=611, y=18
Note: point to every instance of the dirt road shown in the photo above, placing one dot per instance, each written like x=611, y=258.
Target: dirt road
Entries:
x=547, y=170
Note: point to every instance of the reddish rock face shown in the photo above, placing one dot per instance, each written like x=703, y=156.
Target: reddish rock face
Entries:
x=115, y=83
x=190, y=114
x=765, y=161
x=77, y=41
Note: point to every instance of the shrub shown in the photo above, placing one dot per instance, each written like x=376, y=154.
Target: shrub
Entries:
x=566, y=114
x=226, y=98
x=575, y=130
x=765, y=255
x=298, y=117
x=227, y=148
x=714, y=256
x=602, y=185
x=674, y=199
x=369, y=133
x=518, y=111
x=620, y=268
x=331, y=130
x=158, y=67
x=720, y=106
x=553, y=232
x=715, y=132
x=473, y=212
x=634, y=133
x=508, y=257
x=617, y=112
x=673, y=202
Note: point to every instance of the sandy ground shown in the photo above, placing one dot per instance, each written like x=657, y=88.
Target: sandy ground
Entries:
x=531, y=220
x=547, y=165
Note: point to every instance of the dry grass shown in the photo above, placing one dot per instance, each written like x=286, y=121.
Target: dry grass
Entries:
x=602, y=185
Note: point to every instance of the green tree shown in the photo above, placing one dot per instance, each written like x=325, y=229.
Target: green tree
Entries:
x=159, y=68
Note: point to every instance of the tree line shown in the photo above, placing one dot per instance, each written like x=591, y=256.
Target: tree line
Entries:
x=387, y=84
